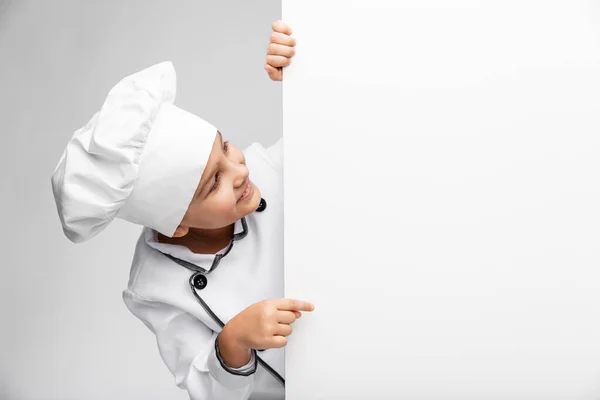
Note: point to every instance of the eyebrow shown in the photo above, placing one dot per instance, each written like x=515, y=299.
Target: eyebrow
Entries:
x=212, y=173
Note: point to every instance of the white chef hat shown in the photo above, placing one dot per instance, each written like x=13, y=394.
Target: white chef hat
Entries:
x=139, y=158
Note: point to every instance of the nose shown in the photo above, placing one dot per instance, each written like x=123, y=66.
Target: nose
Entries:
x=240, y=172
x=243, y=175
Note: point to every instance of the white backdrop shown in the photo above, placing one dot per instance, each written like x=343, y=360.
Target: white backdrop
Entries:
x=442, y=192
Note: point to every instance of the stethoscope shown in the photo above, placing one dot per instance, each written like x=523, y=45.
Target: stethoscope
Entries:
x=198, y=281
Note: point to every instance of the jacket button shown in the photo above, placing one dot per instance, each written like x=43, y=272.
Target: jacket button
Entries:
x=200, y=281
x=262, y=205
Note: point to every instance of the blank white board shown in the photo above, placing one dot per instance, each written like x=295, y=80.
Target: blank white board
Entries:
x=442, y=199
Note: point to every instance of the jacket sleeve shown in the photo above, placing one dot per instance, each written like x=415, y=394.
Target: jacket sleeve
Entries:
x=189, y=349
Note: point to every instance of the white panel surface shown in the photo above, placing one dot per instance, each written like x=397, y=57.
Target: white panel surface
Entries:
x=442, y=194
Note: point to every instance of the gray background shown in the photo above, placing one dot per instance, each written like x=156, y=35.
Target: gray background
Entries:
x=65, y=332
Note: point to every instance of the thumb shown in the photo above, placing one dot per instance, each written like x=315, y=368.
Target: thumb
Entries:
x=274, y=73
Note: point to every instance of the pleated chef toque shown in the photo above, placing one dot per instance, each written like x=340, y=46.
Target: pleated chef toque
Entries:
x=140, y=158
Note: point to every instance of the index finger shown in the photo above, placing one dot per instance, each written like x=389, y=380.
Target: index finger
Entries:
x=293, y=304
x=282, y=27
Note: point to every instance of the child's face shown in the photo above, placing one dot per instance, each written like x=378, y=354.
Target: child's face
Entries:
x=217, y=202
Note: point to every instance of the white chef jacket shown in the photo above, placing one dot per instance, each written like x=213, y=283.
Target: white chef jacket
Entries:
x=160, y=295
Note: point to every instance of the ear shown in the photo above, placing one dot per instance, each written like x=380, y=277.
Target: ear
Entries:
x=181, y=231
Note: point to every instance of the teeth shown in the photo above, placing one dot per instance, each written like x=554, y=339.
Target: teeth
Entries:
x=247, y=190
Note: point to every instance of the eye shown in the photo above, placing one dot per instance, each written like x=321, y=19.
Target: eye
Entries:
x=218, y=175
x=216, y=184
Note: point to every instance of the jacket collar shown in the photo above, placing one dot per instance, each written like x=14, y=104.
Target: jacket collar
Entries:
x=180, y=252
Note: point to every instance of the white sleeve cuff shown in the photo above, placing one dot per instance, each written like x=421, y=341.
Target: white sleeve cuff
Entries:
x=227, y=376
x=249, y=368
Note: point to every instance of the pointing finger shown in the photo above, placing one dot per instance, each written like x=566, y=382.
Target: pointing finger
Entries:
x=292, y=304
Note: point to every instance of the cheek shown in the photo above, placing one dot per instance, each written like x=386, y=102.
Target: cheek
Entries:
x=224, y=205
x=221, y=209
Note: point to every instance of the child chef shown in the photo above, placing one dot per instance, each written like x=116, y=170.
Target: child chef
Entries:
x=207, y=274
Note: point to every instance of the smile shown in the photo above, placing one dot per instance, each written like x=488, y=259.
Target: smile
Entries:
x=247, y=192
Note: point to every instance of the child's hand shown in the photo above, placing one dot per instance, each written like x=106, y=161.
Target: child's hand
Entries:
x=280, y=50
x=263, y=325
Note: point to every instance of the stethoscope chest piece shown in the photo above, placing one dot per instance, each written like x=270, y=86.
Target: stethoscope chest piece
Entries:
x=262, y=206
x=199, y=281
